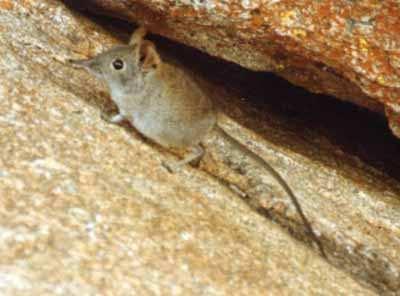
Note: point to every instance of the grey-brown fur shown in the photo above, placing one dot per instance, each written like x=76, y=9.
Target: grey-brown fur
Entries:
x=164, y=103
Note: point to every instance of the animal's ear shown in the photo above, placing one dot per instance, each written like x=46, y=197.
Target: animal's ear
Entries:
x=149, y=58
x=137, y=36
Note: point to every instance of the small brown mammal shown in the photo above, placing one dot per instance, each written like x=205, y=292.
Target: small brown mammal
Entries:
x=166, y=104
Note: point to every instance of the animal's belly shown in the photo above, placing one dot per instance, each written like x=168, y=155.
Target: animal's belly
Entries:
x=167, y=133
x=156, y=129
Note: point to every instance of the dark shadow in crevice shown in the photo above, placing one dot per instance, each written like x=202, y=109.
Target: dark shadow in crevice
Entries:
x=353, y=130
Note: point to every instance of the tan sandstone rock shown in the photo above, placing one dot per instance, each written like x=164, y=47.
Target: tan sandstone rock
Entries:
x=86, y=208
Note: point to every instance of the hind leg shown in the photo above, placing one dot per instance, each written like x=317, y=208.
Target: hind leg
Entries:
x=194, y=157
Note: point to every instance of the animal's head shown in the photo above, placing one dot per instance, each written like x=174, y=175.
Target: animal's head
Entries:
x=125, y=63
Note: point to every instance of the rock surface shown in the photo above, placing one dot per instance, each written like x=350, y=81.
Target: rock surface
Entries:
x=348, y=49
x=87, y=209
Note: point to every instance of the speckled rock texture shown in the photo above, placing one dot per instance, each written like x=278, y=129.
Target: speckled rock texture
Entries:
x=348, y=49
x=87, y=209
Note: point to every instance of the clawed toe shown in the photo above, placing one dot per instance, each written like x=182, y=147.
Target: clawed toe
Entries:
x=171, y=167
x=113, y=118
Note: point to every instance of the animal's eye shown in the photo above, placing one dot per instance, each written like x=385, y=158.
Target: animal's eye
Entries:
x=118, y=64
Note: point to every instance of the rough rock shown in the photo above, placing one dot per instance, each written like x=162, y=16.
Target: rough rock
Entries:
x=348, y=49
x=86, y=208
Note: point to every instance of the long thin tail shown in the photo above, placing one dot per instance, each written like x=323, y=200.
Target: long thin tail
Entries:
x=278, y=178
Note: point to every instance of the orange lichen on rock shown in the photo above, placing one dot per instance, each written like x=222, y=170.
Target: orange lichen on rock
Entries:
x=6, y=4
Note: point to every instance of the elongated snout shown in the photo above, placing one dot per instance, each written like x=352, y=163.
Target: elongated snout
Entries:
x=91, y=65
x=86, y=63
